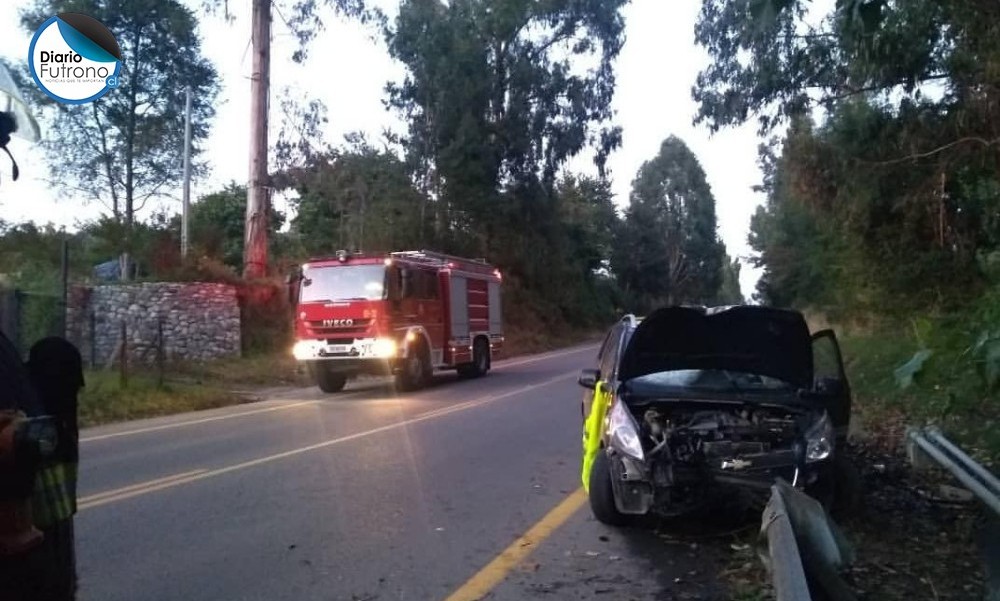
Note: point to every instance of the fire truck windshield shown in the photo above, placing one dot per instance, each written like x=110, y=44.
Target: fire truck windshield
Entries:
x=343, y=282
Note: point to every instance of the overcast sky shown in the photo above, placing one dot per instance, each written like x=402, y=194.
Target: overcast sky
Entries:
x=348, y=70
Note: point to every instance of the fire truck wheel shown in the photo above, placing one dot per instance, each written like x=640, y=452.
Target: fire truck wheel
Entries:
x=330, y=381
x=480, y=361
x=416, y=369
x=480, y=358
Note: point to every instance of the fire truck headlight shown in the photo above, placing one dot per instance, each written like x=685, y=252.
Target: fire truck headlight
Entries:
x=384, y=347
x=303, y=350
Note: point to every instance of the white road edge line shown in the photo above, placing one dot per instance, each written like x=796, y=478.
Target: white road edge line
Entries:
x=505, y=363
x=515, y=361
x=193, y=422
x=186, y=478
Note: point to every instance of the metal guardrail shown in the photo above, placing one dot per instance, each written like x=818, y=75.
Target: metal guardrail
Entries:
x=783, y=560
x=932, y=443
x=802, y=540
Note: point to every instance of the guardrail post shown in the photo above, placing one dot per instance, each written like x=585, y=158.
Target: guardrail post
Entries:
x=785, y=564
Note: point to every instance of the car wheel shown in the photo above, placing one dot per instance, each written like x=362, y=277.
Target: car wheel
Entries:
x=602, y=495
x=329, y=381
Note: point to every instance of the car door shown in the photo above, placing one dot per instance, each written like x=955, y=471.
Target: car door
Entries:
x=600, y=399
x=830, y=380
x=606, y=361
x=588, y=393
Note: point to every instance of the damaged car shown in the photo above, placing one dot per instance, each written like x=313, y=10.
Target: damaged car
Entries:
x=690, y=401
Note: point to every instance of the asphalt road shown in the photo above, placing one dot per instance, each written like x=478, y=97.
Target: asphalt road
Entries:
x=464, y=490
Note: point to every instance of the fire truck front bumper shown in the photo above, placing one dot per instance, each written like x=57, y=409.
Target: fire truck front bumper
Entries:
x=359, y=349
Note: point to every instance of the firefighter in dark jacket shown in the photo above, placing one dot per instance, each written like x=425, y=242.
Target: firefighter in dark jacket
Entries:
x=56, y=371
x=19, y=464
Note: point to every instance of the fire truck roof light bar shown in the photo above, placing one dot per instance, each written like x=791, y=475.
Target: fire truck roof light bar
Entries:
x=422, y=256
x=434, y=256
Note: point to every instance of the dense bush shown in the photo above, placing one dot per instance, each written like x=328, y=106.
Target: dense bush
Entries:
x=266, y=317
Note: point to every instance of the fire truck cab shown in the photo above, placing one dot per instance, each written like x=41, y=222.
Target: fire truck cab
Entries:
x=403, y=313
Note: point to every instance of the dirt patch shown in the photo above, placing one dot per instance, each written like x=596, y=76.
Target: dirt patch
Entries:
x=910, y=542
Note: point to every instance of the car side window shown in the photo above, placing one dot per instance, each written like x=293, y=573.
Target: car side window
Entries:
x=827, y=362
x=610, y=355
x=604, y=346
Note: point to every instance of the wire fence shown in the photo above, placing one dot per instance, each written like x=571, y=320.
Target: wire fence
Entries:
x=27, y=317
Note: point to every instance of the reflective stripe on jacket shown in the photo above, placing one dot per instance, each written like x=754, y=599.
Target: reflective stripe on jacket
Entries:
x=54, y=498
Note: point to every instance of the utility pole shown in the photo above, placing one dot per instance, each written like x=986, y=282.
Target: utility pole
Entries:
x=185, y=206
x=255, y=234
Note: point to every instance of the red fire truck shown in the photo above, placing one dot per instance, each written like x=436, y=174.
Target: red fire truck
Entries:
x=404, y=313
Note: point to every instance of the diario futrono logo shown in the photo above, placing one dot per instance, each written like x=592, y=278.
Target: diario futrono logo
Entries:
x=74, y=58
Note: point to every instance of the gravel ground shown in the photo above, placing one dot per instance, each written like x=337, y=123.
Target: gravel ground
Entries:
x=912, y=541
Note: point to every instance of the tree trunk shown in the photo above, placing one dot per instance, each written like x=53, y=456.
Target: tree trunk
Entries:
x=130, y=135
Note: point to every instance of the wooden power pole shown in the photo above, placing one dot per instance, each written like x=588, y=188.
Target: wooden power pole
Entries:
x=255, y=234
x=186, y=201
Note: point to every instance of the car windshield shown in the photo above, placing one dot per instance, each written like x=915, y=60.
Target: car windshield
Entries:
x=716, y=380
x=343, y=282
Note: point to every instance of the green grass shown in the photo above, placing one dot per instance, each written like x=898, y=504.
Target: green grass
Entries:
x=947, y=391
x=104, y=400
x=243, y=373
x=527, y=341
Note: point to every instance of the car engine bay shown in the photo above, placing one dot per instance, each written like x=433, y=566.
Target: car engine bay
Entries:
x=691, y=447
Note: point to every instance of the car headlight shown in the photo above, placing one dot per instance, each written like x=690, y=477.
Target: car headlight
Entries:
x=303, y=350
x=819, y=439
x=384, y=347
x=623, y=431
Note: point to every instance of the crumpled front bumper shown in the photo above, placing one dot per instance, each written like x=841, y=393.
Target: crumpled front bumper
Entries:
x=637, y=484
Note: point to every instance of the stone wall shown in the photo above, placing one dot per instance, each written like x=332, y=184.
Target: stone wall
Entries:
x=198, y=320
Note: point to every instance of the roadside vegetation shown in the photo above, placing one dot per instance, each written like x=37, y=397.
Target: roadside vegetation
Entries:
x=881, y=178
x=104, y=399
x=927, y=370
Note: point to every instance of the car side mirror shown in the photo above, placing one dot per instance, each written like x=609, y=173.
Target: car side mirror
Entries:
x=588, y=378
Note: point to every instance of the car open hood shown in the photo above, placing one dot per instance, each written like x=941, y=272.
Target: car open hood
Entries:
x=758, y=340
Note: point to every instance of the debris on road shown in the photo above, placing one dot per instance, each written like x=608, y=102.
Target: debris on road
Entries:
x=954, y=494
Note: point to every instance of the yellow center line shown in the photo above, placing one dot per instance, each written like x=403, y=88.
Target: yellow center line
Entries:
x=196, y=421
x=188, y=477
x=109, y=496
x=497, y=570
